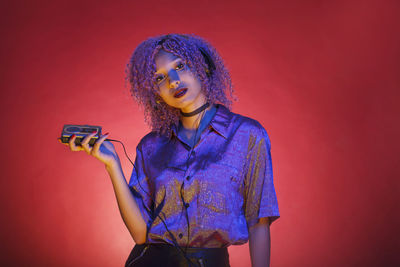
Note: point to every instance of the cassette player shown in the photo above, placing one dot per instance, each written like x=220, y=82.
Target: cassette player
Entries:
x=81, y=131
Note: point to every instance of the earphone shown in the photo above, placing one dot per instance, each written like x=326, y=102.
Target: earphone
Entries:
x=176, y=245
x=209, y=61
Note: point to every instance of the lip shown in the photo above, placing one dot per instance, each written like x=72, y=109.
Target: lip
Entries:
x=180, y=90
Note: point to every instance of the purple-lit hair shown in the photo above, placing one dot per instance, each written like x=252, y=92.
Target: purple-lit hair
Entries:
x=197, y=53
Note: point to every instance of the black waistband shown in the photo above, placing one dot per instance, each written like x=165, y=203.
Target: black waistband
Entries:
x=188, y=250
x=155, y=254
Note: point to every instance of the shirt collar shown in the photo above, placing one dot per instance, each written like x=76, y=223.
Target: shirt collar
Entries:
x=221, y=120
x=219, y=123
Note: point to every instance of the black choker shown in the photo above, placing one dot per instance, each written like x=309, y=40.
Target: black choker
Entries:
x=197, y=111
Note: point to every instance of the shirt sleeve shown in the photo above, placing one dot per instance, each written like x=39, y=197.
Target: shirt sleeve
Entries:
x=260, y=196
x=139, y=186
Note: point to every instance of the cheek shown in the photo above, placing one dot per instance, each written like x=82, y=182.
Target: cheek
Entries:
x=165, y=96
x=191, y=79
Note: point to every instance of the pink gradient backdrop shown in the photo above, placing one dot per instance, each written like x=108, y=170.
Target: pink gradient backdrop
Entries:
x=321, y=76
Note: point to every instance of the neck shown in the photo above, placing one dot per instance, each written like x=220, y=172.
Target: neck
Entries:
x=191, y=123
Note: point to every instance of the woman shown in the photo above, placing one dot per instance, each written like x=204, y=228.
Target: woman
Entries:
x=203, y=176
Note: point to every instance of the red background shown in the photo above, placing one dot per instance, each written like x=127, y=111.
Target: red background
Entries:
x=321, y=76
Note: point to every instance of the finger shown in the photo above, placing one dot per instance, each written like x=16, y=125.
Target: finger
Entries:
x=87, y=138
x=85, y=142
x=65, y=144
x=59, y=140
x=96, y=146
x=72, y=145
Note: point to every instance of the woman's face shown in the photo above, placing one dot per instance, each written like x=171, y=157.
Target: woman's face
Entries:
x=178, y=87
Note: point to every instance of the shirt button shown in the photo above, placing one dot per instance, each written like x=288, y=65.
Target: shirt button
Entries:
x=180, y=235
x=187, y=178
x=186, y=205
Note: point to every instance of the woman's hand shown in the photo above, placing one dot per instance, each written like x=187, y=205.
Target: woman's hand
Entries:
x=101, y=150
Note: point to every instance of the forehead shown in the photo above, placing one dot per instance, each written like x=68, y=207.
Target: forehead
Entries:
x=165, y=60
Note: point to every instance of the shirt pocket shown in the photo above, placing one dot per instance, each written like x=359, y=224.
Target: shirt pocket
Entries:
x=227, y=175
x=221, y=189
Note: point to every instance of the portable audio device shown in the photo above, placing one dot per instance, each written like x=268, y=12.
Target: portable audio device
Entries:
x=80, y=131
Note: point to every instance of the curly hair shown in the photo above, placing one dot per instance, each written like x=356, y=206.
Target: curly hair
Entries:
x=201, y=58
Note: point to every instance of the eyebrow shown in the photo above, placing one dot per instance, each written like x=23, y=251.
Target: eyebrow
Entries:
x=178, y=59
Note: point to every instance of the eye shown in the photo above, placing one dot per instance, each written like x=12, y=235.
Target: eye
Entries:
x=180, y=66
x=159, y=78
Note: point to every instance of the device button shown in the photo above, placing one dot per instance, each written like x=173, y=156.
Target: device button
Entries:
x=187, y=178
x=180, y=235
x=186, y=205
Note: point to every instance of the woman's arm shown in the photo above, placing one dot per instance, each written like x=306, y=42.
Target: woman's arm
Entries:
x=260, y=243
x=128, y=207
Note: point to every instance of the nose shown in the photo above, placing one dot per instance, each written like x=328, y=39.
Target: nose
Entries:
x=174, y=80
